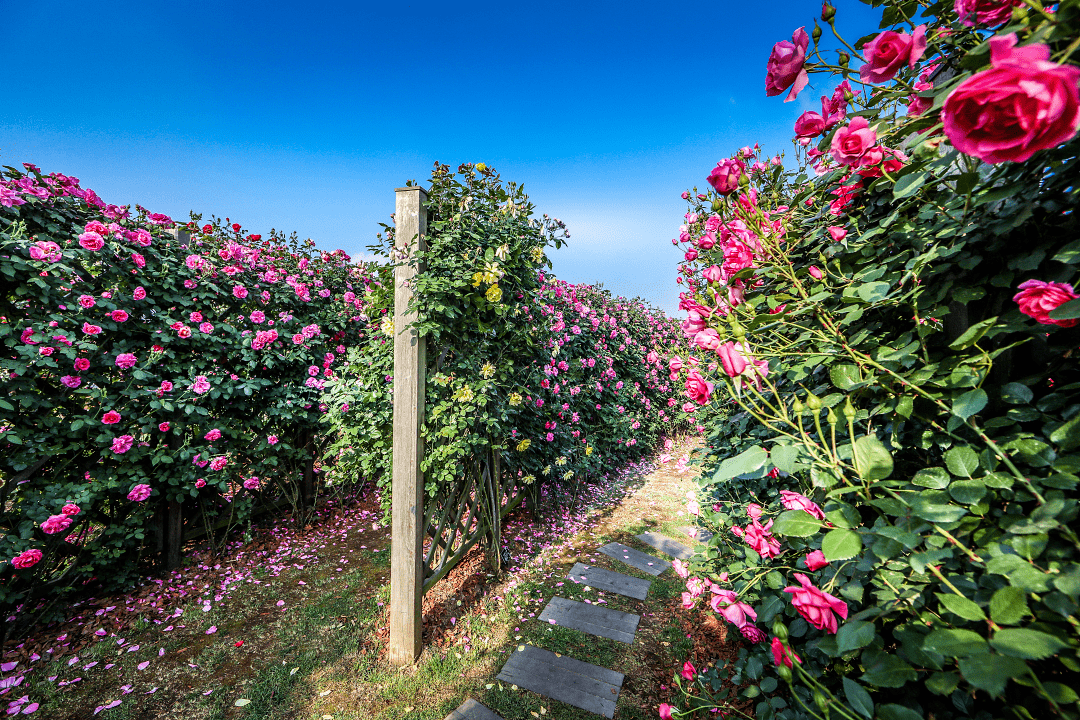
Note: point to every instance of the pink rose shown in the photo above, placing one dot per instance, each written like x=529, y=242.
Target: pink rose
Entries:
x=707, y=339
x=815, y=560
x=795, y=501
x=1037, y=298
x=139, y=493
x=731, y=359
x=252, y=483
x=697, y=388
x=886, y=53
x=86, y=301
x=239, y=291
x=166, y=386
x=815, y=272
x=200, y=483
x=712, y=273
x=725, y=176
x=726, y=603
x=785, y=66
x=752, y=633
x=693, y=324
x=163, y=427
x=206, y=328
x=138, y=259
x=110, y=418
x=71, y=509
x=26, y=559
x=815, y=606
x=987, y=13
x=119, y=316
x=1024, y=103
x=55, y=524
x=271, y=439
x=91, y=241
x=665, y=711
x=810, y=124
x=688, y=671
x=125, y=360
x=782, y=654
x=680, y=568
x=837, y=233
x=201, y=385
x=753, y=511
x=759, y=537
x=737, y=257
x=213, y=435
x=219, y=463
x=139, y=294
x=71, y=381
x=91, y=329
x=122, y=444
x=81, y=364
x=850, y=142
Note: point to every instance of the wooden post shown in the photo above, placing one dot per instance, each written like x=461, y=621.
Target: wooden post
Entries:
x=407, y=525
x=172, y=520
x=308, y=488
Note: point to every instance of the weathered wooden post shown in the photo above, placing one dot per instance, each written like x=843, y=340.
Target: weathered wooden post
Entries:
x=407, y=524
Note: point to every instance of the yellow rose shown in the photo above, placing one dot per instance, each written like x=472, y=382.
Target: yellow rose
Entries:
x=524, y=445
x=515, y=399
x=487, y=370
x=494, y=294
x=387, y=325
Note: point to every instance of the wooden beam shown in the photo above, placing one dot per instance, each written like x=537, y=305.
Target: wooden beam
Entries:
x=407, y=524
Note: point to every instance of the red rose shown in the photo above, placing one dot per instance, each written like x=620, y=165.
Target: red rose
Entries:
x=1037, y=298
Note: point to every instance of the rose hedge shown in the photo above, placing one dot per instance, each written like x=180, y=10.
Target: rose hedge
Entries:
x=562, y=380
x=893, y=407
x=140, y=368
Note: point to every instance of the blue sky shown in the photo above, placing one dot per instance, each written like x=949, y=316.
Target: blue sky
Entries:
x=306, y=116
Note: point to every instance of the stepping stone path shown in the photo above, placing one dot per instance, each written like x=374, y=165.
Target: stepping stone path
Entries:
x=472, y=710
x=702, y=535
x=589, y=687
x=666, y=545
x=592, y=619
x=635, y=558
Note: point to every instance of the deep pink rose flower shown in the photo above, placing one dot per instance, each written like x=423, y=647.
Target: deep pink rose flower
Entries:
x=119, y=315
x=752, y=633
x=122, y=444
x=693, y=324
x=139, y=493
x=91, y=329
x=139, y=294
x=985, y=13
x=889, y=51
x=56, y=524
x=725, y=176
x=1024, y=103
x=271, y=439
x=796, y=501
x=782, y=654
x=26, y=559
x=837, y=233
x=138, y=259
x=727, y=603
x=81, y=364
x=71, y=509
x=219, y=463
x=91, y=241
x=698, y=388
x=815, y=272
x=200, y=483
x=166, y=386
x=201, y=385
x=1037, y=298
x=688, y=671
x=110, y=418
x=712, y=273
x=665, y=711
x=71, y=381
x=815, y=560
x=737, y=257
x=125, y=360
x=759, y=537
x=850, y=142
x=731, y=359
x=815, y=606
x=163, y=427
x=785, y=67
x=239, y=291
x=753, y=511
x=213, y=435
x=86, y=301
x=252, y=483
x=810, y=124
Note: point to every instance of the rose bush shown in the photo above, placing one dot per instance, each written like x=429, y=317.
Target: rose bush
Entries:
x=894, y=490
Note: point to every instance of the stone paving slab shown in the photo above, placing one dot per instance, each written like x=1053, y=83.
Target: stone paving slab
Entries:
x=472, y=710
x=610, y=581
x=666, y=545
x=703, y=535
x=577, y=683
x=592, y=619
x=635, y=558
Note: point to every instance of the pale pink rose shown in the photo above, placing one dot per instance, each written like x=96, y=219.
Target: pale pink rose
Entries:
x=680, y=568
x=782, y=654
x=707, y=339
x=731, y=359
x=56, y=524
x=693, y=324
x=1037, y=298
x=850, y=142
x=122, y=444
x=139, y=493
x=687, y=601
x=697, y=388
x=810, y=124
x=26, y=559
x=837, y=233
x=785, y=66
x=712, y=273
x=815, y=560
x=796, y=501
x=815, y=606
x=985, y=13
x=753, y=510
x=890, y=51
x=695, y=586
x=725, y=176
x=1024, y=103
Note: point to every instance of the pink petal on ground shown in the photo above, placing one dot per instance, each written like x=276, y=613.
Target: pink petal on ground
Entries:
x=212, y=630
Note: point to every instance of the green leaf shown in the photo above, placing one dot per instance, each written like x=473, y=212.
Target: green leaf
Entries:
x=1026, y=644
x=1016, y=394
x=942, y=683
x=961, y=606
x=905, y=406
x=892, y=711
x=873, y=291
x=930, y=507
x=973, y=334
x=991, y=672
x=796, y=523
x=845, y=377
x=909, y=184
x=967, y=491
x=854, y=634
x=1008, y=606
x=841, y=544
x=1068, y=311
x=969, y=403
x=1070, y=254
x=872, y=459
x=955, y=643
x=962, y=461
x=786, y=457
x=744, y=463
x=885, y=669
x=932, y=477
x=1062, y=694
x=858, y=698
x=1067, y=437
